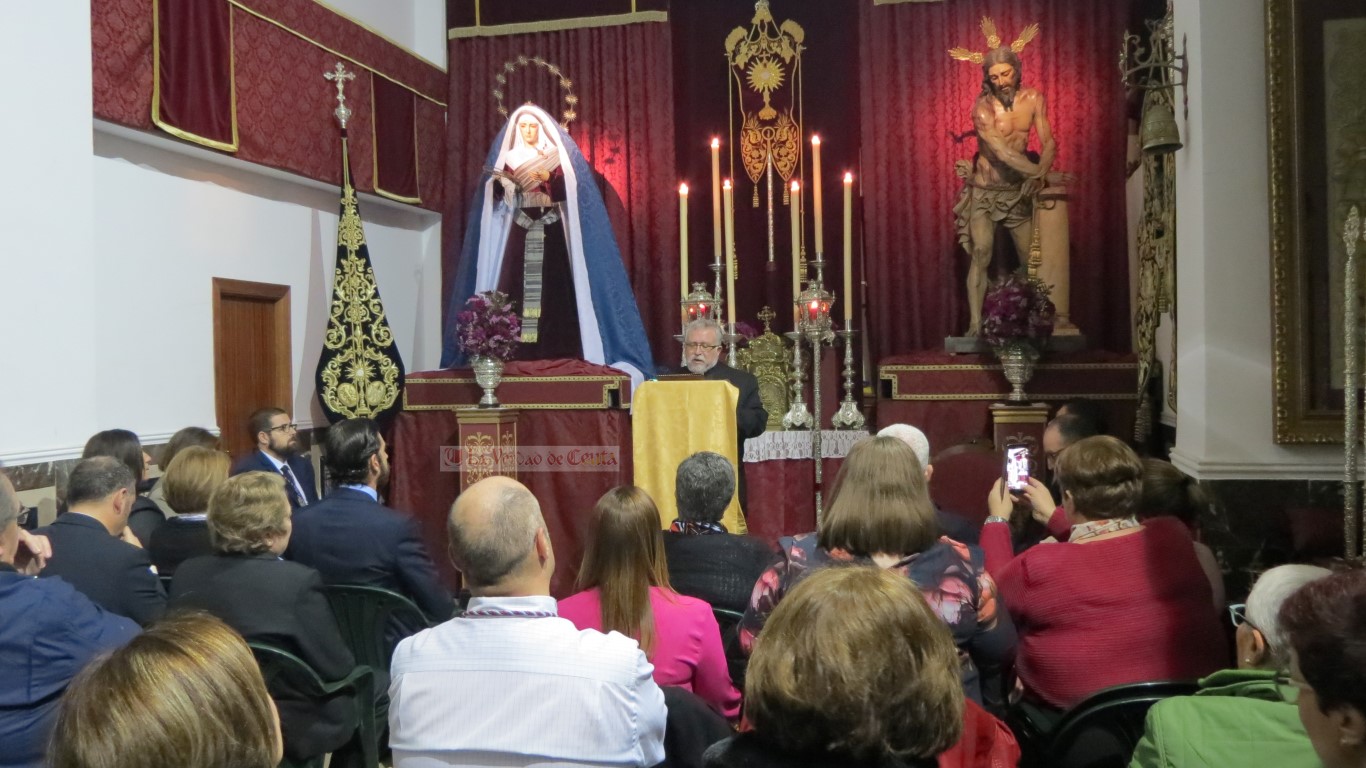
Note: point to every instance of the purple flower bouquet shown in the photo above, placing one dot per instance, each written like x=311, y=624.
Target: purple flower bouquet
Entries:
x=1017, y=309
x=489, y=327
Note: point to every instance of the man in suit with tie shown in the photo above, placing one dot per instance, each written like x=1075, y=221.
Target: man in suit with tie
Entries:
x=702, y=355
x=277, y=450
x=351, y=538
x=92, y=548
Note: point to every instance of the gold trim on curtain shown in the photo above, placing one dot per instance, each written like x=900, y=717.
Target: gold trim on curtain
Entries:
x=374, y=153
x=554, y=25
x=181, y=133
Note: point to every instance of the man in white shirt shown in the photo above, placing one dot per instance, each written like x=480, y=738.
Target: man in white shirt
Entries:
x=510, y=683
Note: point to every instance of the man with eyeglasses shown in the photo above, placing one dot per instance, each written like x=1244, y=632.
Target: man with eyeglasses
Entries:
x=277, y=450
x=702, y=356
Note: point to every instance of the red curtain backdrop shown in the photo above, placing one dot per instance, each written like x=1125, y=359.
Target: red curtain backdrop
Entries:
x=623, y=78
x=915, y=99
x=395, y=147
x=194, y=84
x=284, y=107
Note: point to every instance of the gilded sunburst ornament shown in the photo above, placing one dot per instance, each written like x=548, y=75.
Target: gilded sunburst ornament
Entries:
x=765, y=75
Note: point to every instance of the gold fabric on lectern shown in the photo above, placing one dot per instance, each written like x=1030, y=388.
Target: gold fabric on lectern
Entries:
x=672, y=420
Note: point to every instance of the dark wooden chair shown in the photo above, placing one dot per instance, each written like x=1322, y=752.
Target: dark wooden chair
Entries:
x=963, y=475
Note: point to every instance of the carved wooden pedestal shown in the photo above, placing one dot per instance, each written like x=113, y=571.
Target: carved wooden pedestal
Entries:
x=1019, y=425
x=487, y=444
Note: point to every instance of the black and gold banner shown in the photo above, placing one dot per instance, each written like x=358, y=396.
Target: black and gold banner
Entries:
x=360, y=372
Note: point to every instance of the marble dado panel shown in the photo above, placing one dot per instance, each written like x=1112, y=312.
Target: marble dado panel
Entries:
x=1257, y=524
x=49, y=474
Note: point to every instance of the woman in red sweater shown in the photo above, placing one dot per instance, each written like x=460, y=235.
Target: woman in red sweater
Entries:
x=1121, y=601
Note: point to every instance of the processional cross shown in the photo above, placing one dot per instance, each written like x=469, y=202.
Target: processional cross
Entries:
x=340, y=76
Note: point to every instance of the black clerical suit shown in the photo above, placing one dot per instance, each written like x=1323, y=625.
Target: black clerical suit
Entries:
x=114, y=574
x=750, y=416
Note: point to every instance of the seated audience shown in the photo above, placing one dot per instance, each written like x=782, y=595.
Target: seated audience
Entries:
x=951, y=524
x=1324, y=623
x=189, y=437
x=1046, y=517
x=185, y=693
x=880, y=512
x=1171, y=492
x=273, y=601
x=1212, y=727
x=510, y=682
x=48, y=631
x=351, y=538
x=1122, y=601
x=704, y=561
x=124, y=445
x=278, y=450
x=853, y=669
x=625, y=583
x=93, y=548
x=190, y=481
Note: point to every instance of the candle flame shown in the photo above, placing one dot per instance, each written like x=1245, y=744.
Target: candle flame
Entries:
x=815, y=139
x=683, y=189
x=796, y=187
x=715, y=143
x=848, y=178
x=725, y=184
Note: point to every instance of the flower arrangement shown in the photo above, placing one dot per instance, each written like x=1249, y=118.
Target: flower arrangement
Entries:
x=488, y=327
x=1017, y=309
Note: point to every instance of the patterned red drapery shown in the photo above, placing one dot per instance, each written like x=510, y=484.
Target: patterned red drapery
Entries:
x=279, y=50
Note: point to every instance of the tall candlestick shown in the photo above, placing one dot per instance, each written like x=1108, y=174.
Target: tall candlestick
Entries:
x=716, y=198
x=796, y=206
x=848, y=249
x=683, y=239
x=816, y=192
x=728, y=200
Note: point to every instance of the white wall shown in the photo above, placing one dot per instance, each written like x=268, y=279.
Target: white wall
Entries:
x=418, y=25
x=113, y=238
x=1224, y=427
x=47, y=280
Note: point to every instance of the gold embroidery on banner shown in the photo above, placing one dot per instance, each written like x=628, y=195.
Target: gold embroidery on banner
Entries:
x=362, y=380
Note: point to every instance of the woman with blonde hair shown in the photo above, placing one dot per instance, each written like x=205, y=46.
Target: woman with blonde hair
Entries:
x=185, y=692
x=854, y=669
x=625, y=583
x=190, y=480
x=880, y=513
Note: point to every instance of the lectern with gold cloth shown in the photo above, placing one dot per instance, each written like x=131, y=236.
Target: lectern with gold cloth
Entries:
x=673, y=420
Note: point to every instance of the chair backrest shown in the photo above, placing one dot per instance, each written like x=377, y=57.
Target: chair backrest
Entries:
x=736, y=660
x=372, y=620
x=691, y=728
x=283, y=671
x=1103, y=730
x=962, y=479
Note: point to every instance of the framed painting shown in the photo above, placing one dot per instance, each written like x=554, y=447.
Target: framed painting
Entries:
x=1316, y=114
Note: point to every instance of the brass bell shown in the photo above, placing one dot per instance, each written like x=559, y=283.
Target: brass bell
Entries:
x=1158, y=134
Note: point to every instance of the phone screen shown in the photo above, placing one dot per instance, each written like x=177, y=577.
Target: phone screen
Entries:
x=1017, y=467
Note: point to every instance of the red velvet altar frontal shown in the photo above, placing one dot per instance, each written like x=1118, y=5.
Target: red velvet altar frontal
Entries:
x=534, y=384
x=564, y=403
x=949, y=396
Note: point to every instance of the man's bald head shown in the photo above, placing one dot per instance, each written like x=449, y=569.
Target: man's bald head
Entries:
x=492, y=529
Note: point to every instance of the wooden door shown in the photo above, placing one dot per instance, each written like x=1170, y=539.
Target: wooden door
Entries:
x=251, y=356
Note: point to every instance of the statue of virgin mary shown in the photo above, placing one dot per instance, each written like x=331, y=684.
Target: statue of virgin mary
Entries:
x=538, y=231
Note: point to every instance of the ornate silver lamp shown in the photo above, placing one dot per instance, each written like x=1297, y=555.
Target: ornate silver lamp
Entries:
x=813, y=308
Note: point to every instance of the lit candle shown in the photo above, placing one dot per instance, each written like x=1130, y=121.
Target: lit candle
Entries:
x=728, y=200
x=848, y=249
x=796, y=206
x=683, y=238
x=716, y=198
x=816, y=193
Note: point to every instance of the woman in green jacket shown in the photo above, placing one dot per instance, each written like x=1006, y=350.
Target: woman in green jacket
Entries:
x=1239, y=716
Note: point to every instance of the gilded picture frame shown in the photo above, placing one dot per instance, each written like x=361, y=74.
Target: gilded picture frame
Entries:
x=1316, y=113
